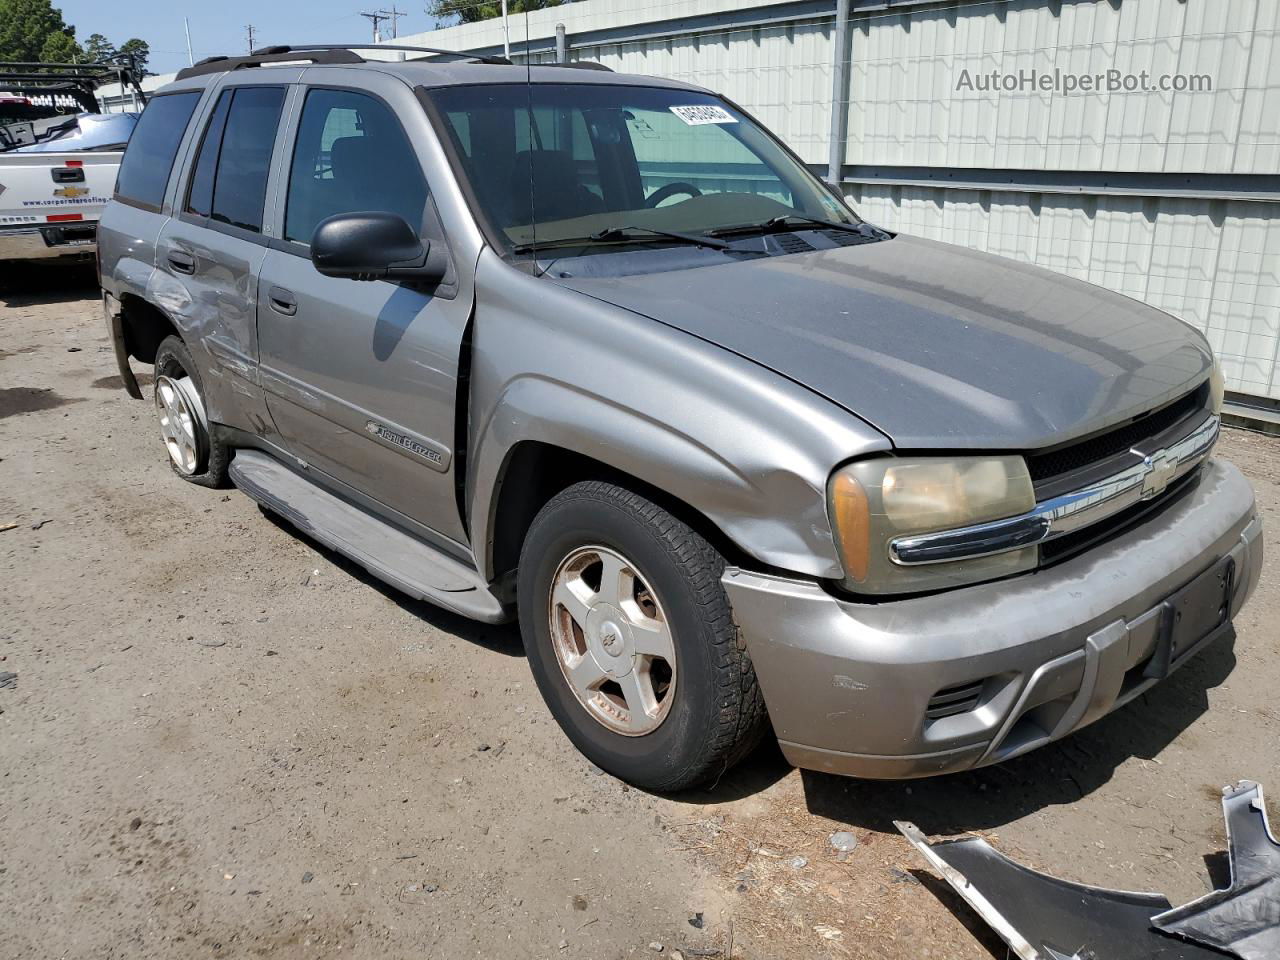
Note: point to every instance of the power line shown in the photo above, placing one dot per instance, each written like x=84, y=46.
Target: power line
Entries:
x=376, y=18
x=394, y=16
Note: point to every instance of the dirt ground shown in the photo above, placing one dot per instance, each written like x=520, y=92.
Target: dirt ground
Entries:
x=225, y=741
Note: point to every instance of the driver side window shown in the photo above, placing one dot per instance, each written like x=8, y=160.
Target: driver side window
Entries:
x=350, y=156
x=724, y=164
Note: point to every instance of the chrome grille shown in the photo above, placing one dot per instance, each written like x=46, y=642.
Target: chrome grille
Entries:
x=1118, y=441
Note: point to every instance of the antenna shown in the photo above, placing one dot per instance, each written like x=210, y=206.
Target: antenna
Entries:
x=528, y=82
x=376, y=18
x=249, y=28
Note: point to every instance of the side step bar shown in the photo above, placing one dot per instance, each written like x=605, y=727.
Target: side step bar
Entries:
x=390, y=554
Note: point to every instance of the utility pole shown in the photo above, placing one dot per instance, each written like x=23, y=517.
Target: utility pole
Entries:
x=506, y=33
x=394, y=16
x=249, y=28
x=376, y=18
x=187, y=27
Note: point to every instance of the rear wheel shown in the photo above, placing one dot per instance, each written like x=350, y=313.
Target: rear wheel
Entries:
x=184, y=426
x=631, y=639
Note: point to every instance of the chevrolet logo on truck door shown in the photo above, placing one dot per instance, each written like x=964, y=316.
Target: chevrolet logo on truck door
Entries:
x=71, y=192
x=1161, y=466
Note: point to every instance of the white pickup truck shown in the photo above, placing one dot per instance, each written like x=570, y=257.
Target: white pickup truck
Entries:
x=58, y=165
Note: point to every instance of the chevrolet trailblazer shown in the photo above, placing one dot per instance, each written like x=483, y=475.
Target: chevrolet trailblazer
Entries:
x=599, y=352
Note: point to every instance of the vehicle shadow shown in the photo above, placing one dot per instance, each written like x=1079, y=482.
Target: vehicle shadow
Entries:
x=500, y=638
x=757, y=772
x=991, y=797
x=1058, y=773
x=36, y=282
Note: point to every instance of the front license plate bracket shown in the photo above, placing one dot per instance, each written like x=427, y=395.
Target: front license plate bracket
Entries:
x=1191, y=614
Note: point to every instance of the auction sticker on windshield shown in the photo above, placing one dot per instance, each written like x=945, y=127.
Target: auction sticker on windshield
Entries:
x=703, y=113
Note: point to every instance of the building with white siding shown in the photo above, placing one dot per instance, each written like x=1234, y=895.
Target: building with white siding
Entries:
x=1168, y=197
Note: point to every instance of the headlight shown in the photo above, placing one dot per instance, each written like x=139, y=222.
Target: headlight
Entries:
x=1217, y=388
x=874, y=501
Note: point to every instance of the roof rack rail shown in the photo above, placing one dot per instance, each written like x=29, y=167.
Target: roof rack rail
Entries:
x=580, y=65
x=259, y=58
x=433, y=51
x=317, y=53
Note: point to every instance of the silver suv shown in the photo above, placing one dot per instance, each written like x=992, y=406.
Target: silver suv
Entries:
x=598, y=351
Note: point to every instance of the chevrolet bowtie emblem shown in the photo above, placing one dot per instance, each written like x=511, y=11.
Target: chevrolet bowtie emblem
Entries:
x=1161, y=466
x=70, y=192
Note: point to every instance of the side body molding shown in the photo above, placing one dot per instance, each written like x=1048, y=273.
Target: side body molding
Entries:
x=745, y=447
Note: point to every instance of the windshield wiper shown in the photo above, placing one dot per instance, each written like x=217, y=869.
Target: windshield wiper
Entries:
x=775, y=224
x=623, y=235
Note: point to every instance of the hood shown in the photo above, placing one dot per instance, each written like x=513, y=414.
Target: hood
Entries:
x=937, y=346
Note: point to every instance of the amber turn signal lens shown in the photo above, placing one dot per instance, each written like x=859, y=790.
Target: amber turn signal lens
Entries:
x=852, y=522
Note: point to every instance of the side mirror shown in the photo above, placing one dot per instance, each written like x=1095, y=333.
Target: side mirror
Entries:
x=374, y=246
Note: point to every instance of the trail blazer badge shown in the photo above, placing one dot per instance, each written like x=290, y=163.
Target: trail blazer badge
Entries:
x=408, y=444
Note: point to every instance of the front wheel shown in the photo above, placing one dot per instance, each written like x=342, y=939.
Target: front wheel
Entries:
x=631, y=639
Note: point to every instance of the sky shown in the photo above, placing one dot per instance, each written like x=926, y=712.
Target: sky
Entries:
x=219, y=27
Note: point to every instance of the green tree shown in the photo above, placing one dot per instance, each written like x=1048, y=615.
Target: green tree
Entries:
x=141, y=51
x=98, y=48
x=61, y=47
x=27, y=25
x=469, y=12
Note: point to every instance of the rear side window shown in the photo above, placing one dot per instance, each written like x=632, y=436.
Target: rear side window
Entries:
x=149, y=156
x=200, y=193
x=351, y=156
x=229, y=183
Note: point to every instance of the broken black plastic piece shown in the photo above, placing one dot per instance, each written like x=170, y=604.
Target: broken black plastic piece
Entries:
x=1243, y=919
x=1045, y=918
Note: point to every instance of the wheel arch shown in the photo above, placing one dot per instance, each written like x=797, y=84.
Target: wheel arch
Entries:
x=535, y=471
x=542, y=435
x=145, y=326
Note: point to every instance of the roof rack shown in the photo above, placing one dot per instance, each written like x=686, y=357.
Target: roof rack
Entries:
x=317, y=53
x=85, y=76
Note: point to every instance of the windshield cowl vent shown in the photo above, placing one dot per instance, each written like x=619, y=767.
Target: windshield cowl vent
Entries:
x=847, y=238
x=790, y=243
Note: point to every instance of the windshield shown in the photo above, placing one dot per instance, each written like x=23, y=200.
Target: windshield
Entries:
x=589, y=158
x=88, y=131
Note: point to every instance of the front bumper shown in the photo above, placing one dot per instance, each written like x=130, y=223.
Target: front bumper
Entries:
x=45, y=243
x=854, y=688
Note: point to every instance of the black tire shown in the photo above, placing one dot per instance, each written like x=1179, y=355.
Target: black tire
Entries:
x=174, y=360
x=717, y=715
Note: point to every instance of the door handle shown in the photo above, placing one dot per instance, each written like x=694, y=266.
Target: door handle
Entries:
x=182, y=262
x=282, y=301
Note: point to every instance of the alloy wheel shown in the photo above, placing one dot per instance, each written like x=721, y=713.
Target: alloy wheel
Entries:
x=612, y=640
x=181, y=422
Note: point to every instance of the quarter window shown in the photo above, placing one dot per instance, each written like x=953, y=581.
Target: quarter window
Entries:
x=351, y=156
x=144, y=171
